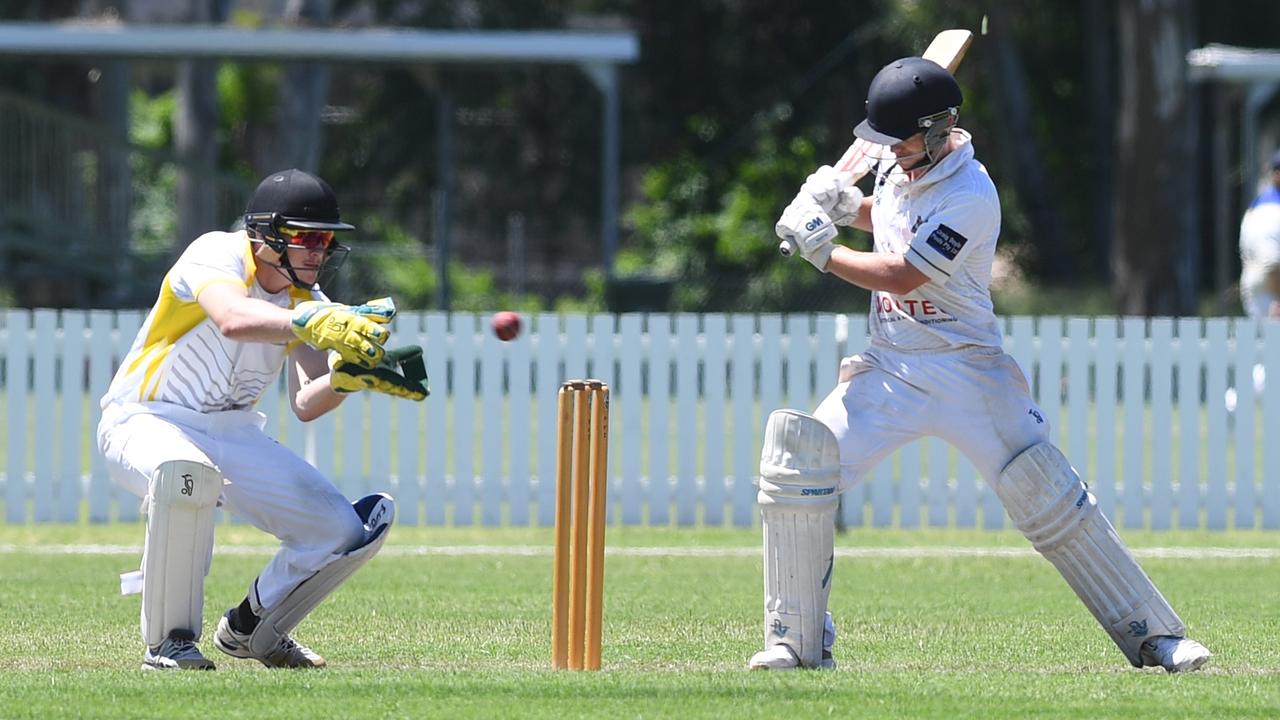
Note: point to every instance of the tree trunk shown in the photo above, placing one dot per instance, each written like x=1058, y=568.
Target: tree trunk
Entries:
x=1099, y=27
x=114, y=189
x=295, y=137
x=1051, y=257
x=195, y=127
x=1154, y=254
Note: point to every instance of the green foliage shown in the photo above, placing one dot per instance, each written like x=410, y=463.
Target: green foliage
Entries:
x=707, y=223
x=153, y=222
x=247, y=97
x=399, y=265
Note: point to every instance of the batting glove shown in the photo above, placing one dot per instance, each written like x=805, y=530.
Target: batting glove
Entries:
x=832, y=191
x=805, y=224
x=847, y=207
x=824, y=186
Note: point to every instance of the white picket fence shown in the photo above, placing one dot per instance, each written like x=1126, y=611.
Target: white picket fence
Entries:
x=1136, y=404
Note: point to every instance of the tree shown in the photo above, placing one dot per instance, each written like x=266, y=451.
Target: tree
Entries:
x=1154, y=251
x=195, y=132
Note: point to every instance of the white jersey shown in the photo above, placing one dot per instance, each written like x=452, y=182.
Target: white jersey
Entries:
x=180, y=357
x=946, y=224
x=1259, y=251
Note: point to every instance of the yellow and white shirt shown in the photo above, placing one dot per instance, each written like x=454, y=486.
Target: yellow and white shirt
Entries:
x=180, y=357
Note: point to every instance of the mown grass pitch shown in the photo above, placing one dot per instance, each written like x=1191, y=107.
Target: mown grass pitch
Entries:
x=465, y=632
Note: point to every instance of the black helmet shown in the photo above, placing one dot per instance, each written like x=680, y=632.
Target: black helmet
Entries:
x=298, y=199
x=907, y=96
x=293, y=200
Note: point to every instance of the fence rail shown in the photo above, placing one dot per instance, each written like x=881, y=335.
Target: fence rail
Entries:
x=1139, y=405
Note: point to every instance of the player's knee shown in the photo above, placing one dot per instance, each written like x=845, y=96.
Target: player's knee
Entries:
x=1044, y=496
x=348, y=530
x=186, y=483
x=799, y=463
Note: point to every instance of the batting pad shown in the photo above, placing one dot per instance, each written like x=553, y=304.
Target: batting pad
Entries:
x=378, y=512
x=1053, y=508
x=799, y=473
x=178, y=548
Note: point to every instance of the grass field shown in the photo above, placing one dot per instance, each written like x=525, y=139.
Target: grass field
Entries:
x=455, y=623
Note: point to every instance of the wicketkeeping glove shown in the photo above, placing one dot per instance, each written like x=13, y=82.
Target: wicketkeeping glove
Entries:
x=401, y=373
x=379, y=310
x=332, y=326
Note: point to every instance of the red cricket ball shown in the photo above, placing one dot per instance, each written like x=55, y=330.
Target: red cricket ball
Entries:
x=506, y=325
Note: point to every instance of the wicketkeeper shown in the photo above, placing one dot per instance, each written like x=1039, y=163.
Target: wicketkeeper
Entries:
x=179, y=427
x=935, y=367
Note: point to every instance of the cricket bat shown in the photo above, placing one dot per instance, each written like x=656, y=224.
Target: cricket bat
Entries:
x=947, y=49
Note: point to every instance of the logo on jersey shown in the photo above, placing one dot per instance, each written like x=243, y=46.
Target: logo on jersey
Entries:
x=916, y=225
x=946, y=241
x=1036, y=414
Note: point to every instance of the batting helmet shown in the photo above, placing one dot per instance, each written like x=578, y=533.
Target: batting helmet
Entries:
x=908, y=96
x=296, y=208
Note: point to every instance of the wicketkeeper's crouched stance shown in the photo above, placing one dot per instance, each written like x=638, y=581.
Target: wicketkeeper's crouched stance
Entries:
x=179, y=431
x=935, y=367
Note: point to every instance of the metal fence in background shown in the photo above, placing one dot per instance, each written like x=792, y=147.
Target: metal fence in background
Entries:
x=85, y=214
x=1140, y=406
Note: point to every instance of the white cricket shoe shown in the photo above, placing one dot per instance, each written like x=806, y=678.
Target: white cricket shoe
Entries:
x=1174, y=654
x=778, y=657
x=177, y=652
x=782, y=657
x=286, y=652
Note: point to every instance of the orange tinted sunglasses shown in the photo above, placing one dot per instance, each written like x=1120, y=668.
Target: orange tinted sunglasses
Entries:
x=308, y=239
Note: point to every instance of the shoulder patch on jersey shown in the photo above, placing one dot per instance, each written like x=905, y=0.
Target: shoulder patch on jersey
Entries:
x=946, y=241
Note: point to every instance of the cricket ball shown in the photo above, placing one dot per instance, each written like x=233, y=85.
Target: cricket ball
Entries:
x=506, y=325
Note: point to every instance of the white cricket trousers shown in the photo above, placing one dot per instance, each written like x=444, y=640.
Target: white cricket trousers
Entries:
x=975, y=398
x=265, y=482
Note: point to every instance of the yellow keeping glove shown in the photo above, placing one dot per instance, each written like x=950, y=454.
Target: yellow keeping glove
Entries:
x=379, y=310
x=401, y=373
x=332, y=326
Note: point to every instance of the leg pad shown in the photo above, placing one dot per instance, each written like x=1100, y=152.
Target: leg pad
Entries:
x=799, y=477
x=180, y=501
x=1057, y=513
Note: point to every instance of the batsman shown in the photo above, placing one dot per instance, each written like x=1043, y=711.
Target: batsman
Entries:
x=934, y=367
x=179, y=427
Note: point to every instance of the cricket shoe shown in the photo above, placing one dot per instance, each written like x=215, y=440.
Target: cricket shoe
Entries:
x=782, y=657
x=1174, y=654
x=285, y=652
x=177, y=652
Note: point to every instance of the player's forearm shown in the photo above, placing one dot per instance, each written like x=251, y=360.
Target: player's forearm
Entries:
x=863, y=221
x=252, y=320
x=875, y=271
x=315, y=398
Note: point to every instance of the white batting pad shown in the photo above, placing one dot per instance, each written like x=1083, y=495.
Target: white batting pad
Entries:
x=1053, y=508
x=377, y=511
x=799, y=474
x=179, y=547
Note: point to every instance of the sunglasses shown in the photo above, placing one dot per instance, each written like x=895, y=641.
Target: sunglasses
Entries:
x=307, y=239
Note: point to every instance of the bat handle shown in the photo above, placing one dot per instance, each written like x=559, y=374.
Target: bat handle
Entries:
x=787, y=248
